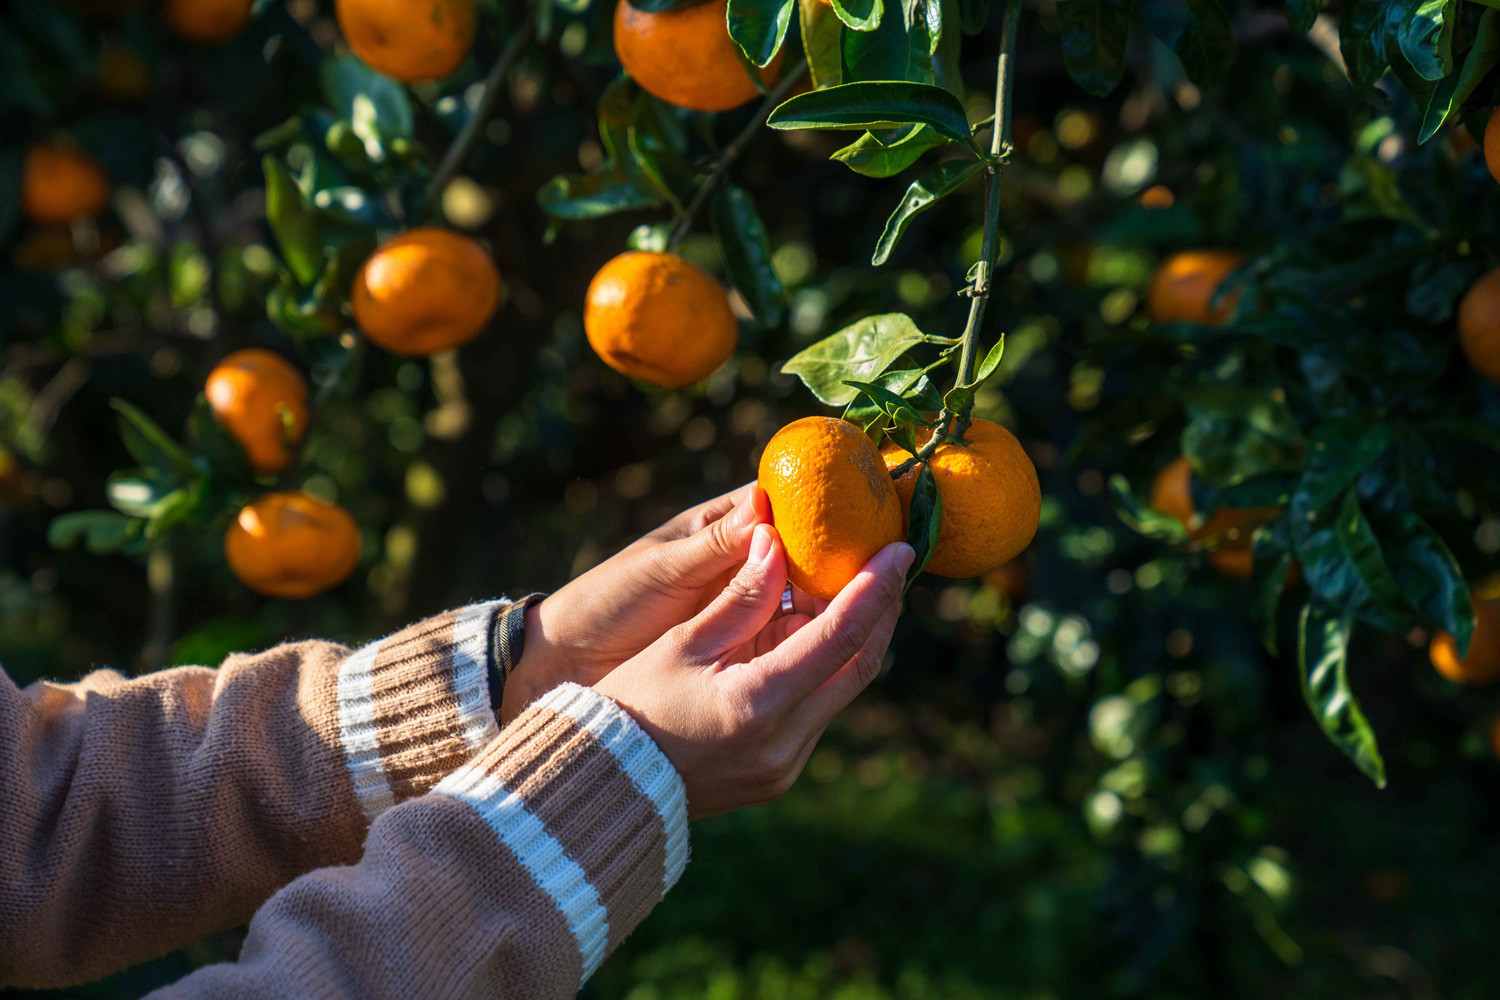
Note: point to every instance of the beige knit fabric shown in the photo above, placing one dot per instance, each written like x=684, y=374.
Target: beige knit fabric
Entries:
x=140, y=814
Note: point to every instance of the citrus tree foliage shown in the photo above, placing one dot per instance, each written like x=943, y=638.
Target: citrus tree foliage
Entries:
x=1327, y=145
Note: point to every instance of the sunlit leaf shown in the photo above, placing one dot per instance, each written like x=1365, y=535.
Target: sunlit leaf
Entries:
x=856, y=353
x=1323, y=661
x=759, y=27
x=923, y=193
x=874, y=105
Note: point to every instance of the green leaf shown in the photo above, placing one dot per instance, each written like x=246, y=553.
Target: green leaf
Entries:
x=1236, y=433
x=991, y=362
x=1144, y=518
x=1426, y=37
x=894, y=406
x=926, y=522
x=910, y=384
x=975, y=14
x=1271, y=564
x=875, y=105
x=658, y=6
x=593, y=195
x=759, y=27
x=152, y=446
x=1094, y=37
x=1323, y=660
x=747, y=256
x=375, y=105
x=1362, y=32
x=861, y=15
x=177, y=507
x=874, y=156
x=1363, y=549
x=857, y=353
x=666, y=172
x=293, y=221
x=101, y=531
x=923, y=193
x=1300, y=15
x=1430, y=578
x=896, y=50
x=1452, y=91
x=1198, y=31
x=821, y=32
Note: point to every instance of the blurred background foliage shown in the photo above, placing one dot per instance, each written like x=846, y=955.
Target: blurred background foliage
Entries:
x=1083, y=774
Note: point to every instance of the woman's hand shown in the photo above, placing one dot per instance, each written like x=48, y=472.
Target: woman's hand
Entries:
x=618, y=608
x=737, y=698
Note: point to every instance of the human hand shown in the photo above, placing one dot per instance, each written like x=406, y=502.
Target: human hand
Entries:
x=737, y=698
x=624, y=604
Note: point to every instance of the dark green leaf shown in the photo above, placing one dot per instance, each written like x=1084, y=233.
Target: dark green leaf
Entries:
x=856, y=353
x=590, y=196
x=1426, y=37
x=759, y=27
x=1323, y=660
x=101, y=531
x=894, y=406
x=1430, y=578
x=1300, y=14
x=861, y=15
x=975, y=14
x=923, y=193
x=375, y=105
x=1362, y=33
x=821, y=32
x=910, y=384
x=1453, y=90
x=225, y=456
x=1236, y=433
x=666, y=172
x=1363, y=549
x=895, y=50
x=1198, y=31
x=747, y=256
x=293, y=222
x=151, y=446
x=876, y=156
x=874, y=105
x=1272, y=562
x=926, y=521
x=1144, y=518
x=1094, y=37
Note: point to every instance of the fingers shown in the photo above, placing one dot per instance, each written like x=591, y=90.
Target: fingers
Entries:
x=696, y=561
x=807, y=659
x=746, y=605
x=848, y=681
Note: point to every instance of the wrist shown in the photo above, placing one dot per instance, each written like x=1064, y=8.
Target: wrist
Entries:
x=534, y=667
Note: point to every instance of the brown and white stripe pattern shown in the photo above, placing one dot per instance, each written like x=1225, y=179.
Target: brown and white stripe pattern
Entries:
x=589, y=807
x=413, y=706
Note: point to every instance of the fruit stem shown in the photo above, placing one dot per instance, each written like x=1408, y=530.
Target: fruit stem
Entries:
x=731, y=152
x=979, y=289
x=453, y=160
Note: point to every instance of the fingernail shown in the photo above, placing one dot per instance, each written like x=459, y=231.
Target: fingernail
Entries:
x=760, y=544
x=745, y=515
x=905, y=556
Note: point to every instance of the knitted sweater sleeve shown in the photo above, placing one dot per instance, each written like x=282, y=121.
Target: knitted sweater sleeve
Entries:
x=513, y=878
x=138, y=814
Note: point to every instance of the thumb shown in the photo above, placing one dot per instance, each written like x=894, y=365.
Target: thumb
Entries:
x=745, y=606
x=701, y=558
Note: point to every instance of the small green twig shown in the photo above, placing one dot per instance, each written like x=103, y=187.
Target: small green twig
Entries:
x=731, y=152
x=458, y=153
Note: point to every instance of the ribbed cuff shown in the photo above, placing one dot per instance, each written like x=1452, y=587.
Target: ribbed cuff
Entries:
x=589, y=806
x=507, y=644
x=415, y=705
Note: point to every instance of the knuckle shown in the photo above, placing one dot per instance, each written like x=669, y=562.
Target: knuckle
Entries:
x=867, y=666
x=750, y=591
x=846, y=640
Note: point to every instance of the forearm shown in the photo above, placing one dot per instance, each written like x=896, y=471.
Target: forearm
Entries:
x=513, y=878
x=143, y=813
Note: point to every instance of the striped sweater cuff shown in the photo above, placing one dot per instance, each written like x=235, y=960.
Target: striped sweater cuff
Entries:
x=415, y=705
x=589, y=807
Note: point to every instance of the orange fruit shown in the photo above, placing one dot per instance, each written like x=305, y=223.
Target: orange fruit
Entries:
x=832, y=501
x=61, y=184
x=408, y=40
x=292, y=545
x=1482, y=664
x=261, y=400
x=1492, y=144
x=425, y=291
x=1182, y=289
x=1172, y=494
x=991, y=498
x=686, y=57
x=658, y=318
x=1479, y=325
x=208, y=21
